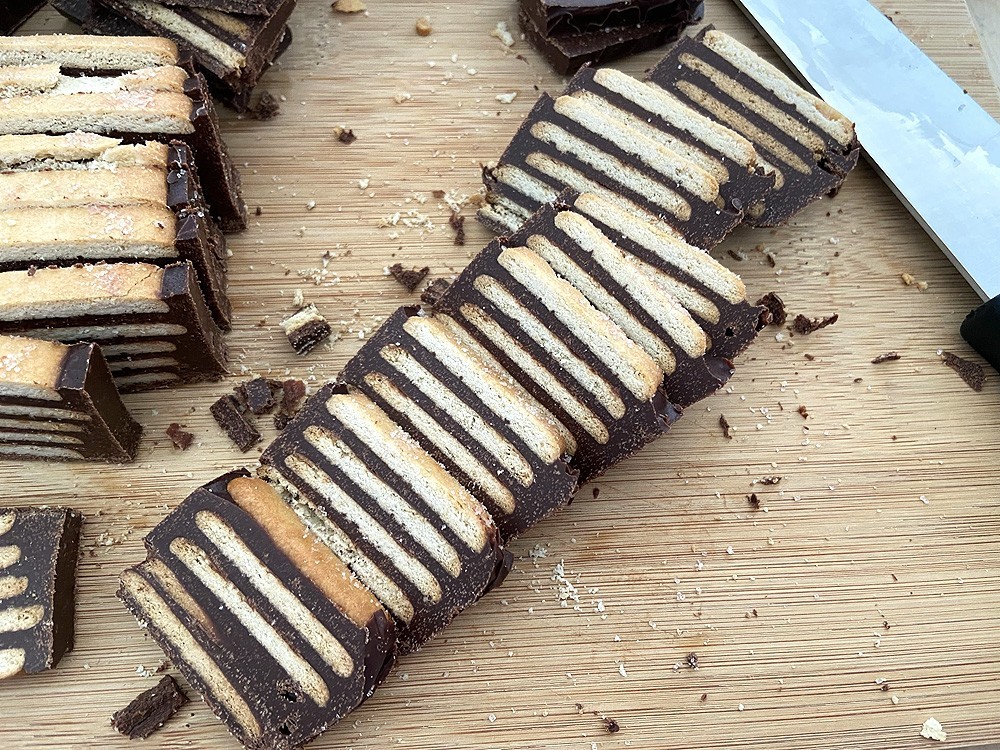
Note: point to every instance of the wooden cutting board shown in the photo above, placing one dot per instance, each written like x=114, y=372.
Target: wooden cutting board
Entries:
x=861, y=599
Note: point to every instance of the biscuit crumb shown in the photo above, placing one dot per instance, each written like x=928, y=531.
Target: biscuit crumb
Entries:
x=910, y=280
x=423, y=27
x=932, y=730
x=349, y=6
x=502, y=32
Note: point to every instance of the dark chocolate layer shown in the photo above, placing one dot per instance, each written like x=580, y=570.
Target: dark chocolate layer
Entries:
x=555, y=17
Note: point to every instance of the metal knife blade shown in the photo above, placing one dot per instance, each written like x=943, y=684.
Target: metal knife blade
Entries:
x=933, y=144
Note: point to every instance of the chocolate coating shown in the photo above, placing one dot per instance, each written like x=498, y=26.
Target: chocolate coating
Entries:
x=555, y=17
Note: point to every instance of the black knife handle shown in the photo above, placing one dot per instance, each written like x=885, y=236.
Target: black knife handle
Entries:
x=982, y=329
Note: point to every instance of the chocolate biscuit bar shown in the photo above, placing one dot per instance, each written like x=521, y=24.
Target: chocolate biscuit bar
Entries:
x=254, y=618
x=556, y=17
x=617, y=285
x=306, y=329
x=569, y=143
x=412, y=534
x=16, y=12
x=453, y=397
x=581, y=366
x=725, y=154
x=809, y=145
x=152, y=323
x=567, y=52
x=60, y=402
x=38, y=552
x=84, y=197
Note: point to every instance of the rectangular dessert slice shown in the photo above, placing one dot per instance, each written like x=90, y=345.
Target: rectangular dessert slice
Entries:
x=454, y=398
x=581, y=366
x=810, y=146
x=569, y=143
x=38, y=552
x=83, y=197
x=413, y=535
x=16, y=12
x=60, y=402
x=725, y=154
x=152, y=323
x=615, y=283
x=254, y=616
x=130, y=87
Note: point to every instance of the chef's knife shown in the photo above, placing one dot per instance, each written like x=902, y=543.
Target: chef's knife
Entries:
x=936, y=148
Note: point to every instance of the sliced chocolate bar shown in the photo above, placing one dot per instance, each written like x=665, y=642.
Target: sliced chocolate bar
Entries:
x=555, y=17
x=567, y=52
x=60, y=402
x=234, y=605
x=615, y=283
x=83, y=197
x=16, y=12
x=38, y=552
x=306, y=329
x=809, y=145
x=581, y=366
x=714, y=295
x=456, y=400
x=725, y=154
x=149, y=710
x=569, y=143
x=413, y=535
x=152, y=323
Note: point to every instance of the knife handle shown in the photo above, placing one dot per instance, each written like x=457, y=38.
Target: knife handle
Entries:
x=982, y=330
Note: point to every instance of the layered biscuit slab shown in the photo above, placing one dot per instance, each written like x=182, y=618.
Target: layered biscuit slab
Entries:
x=454, y=398
x=60, y=402
x=38, y=552
x=253, y=620
x=808, y=144
x=411, y=532
x=617, y=285
x=570, y=143
x=152, y=323
x=571, y=357
x=83, y=197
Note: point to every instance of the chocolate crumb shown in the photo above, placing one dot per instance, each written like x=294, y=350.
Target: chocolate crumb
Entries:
x=434, y=291
x=971, y=372
x=726, y=427
x=810, y=357
x=887, y=357
x=736, y=255
x=805, y=325
x=267, y=107
x=423, y=27
x=31, y=270
x=804, y=412
x=258, y=395
x=774, y=305
x=148, y=710
x=408, y=278
x=180, y=437
x=754, y=501
x=457, y=223
x=611, y=725
x=597, y=491
x=771, y=260
x=293, y=391
x=769, y=480
x=258, y=211
x=704, y=697
x=692, y=660
x=345, y=135
x=885, y=687
x=228, y=413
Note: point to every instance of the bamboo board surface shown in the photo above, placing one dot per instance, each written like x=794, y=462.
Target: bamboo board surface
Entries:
x=843, y=579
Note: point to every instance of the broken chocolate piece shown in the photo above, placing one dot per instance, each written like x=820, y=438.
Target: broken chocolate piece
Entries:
x=180, y=437
x=305, y=329
x=775, y=308
x=60, y=402
x=149, y=710
x=433, y=291
x=408, y=278
x=804, y=325
x=38, y=552
x=457, y=222
x=344, y=135
x=258, y=395
x=343, y=459
x=267, y=107
x=232, y=419
x=887, y=357
x=555, y=17
x=971, y=372
x=726, y=427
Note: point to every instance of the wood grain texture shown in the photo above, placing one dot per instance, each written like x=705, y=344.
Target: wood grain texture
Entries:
x=843, y=578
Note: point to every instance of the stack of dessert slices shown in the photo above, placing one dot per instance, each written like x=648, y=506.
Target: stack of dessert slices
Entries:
x=233, y=41
x=115, y=191
x=385, y=506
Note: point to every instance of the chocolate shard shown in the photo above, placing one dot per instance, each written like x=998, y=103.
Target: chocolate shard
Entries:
x=409, y=278
x=556, y=17
x=567, y=52
x=87, y=198
x=253, y=618
x=617, y=284
x=569, y=143
x=231, y=417
x=729, y=157
x=455, y=399
x=60, y=402
x=306, y=329
x=580, y=365
x=714, y=295
x=810, y=146
x=149, y=710
x=258, y=395
x=16, y=12
x=152, y=323
x=413, y=535
x=38, y=552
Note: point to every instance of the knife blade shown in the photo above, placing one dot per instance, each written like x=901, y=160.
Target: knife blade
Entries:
x=935, y=147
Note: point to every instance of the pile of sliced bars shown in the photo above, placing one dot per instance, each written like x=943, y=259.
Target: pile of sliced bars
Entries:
x=385, y=506
x=115, y=190
x=572, y=33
